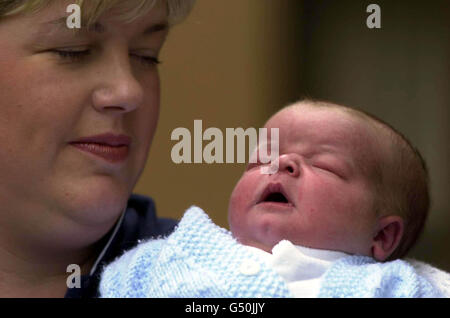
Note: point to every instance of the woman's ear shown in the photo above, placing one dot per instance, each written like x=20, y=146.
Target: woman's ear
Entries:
x=388, y=234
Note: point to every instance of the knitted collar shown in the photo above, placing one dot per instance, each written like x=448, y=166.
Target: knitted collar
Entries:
x=205, y=244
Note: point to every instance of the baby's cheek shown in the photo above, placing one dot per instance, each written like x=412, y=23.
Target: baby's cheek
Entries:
x=236, y=197
x=243, y=192
x=241, y=202
x=321, y=193
x=237, y=202
x=236, y=216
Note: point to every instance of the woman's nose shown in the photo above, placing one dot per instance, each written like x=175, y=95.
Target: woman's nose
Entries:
x=289, y=163
x=118, y=90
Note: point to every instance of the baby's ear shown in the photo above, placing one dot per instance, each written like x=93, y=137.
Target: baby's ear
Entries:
x=388, y=234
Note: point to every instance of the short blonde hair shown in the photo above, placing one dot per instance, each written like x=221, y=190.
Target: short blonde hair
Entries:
x=178, y=10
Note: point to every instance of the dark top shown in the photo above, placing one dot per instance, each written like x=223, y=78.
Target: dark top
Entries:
x=139, y=222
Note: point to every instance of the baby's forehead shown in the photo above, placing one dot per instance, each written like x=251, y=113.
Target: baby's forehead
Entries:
x=318, y=124
x=303, y=127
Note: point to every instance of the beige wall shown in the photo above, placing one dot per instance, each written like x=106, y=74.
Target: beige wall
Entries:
x=220, y=66
x=234, y=62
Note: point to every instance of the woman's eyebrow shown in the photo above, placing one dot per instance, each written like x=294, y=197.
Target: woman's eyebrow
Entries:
x=163, y=26
x=60, y=24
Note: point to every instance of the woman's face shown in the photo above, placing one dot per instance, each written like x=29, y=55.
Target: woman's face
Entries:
x=57, y=86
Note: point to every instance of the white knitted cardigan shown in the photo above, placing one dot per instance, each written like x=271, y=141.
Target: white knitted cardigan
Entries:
x=438, y=278
x=201, y=259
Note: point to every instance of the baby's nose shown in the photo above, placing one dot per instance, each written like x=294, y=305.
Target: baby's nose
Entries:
x=289, y=164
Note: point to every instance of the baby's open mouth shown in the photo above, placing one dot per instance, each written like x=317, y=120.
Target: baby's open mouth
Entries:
x=276, y=197
x=275, y=193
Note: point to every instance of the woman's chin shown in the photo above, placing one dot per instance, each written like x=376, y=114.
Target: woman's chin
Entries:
x=97, y=202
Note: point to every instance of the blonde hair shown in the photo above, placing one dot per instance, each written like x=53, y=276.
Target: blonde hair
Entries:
x=177, y=10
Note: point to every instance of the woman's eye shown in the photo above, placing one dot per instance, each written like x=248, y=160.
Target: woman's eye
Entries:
x=146, y=60
x=78, y=55
x=72, y=55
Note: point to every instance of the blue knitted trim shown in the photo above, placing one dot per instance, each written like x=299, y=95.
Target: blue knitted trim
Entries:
x=363, y=277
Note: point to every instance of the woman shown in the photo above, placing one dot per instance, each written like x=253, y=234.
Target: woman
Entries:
x=78, y=112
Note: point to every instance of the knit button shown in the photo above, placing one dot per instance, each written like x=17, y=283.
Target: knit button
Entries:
x=249, y=267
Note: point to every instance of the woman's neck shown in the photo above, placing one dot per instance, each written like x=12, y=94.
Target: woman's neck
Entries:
x=35, y=255
x=24, y=275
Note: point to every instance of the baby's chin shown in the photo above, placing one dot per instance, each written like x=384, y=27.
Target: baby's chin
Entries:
x=259, y=245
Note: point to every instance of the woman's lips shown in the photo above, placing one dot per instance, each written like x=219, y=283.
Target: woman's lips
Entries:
x=112, y=154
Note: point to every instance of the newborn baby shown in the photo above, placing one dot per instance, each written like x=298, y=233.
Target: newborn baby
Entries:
x=349, y=198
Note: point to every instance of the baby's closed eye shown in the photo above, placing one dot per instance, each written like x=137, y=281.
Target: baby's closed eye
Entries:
x=326, y=168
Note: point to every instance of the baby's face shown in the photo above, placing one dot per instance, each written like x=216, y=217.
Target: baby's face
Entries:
x=320, y=197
